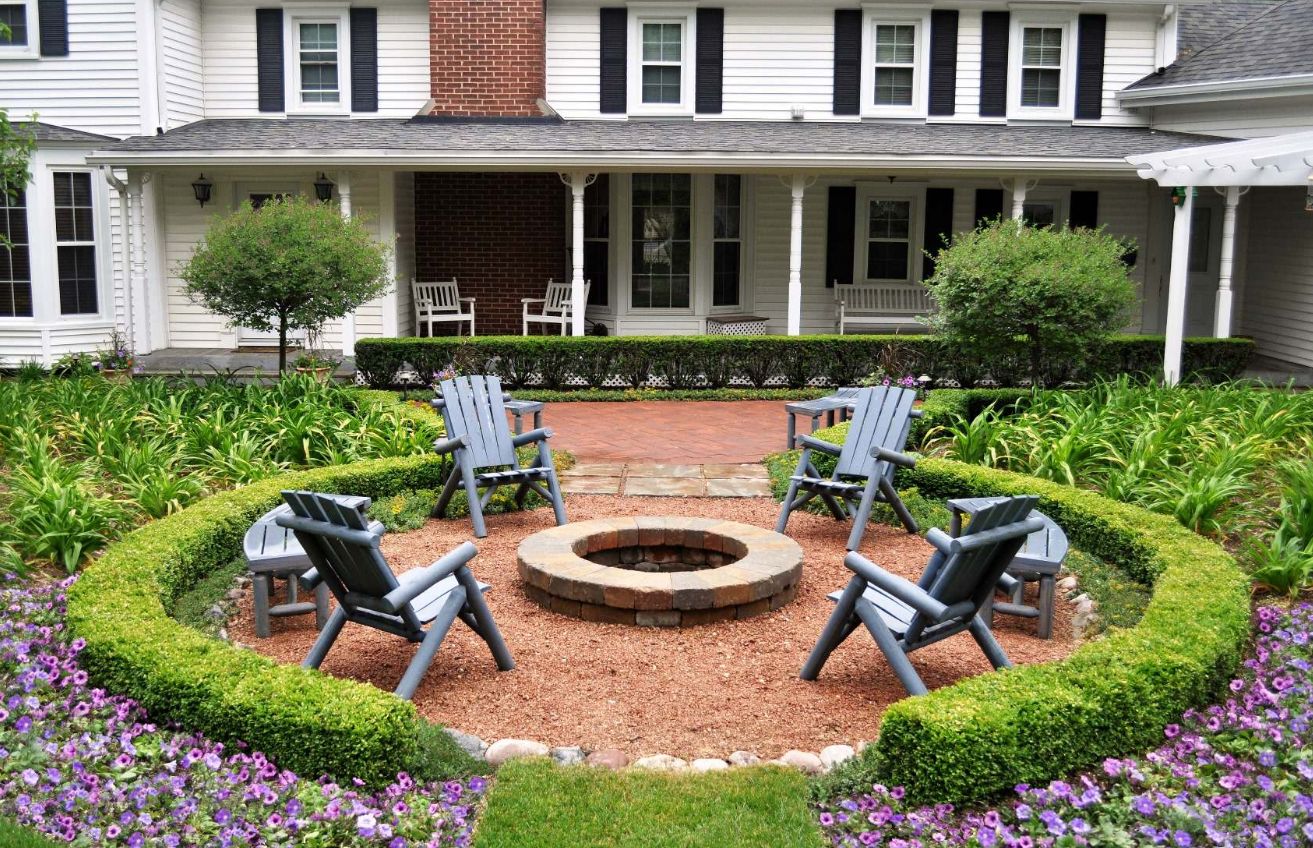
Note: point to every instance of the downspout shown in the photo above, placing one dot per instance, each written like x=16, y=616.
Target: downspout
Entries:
x=121, y=188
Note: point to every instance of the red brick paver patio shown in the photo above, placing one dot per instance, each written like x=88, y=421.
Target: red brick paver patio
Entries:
x=691, y=432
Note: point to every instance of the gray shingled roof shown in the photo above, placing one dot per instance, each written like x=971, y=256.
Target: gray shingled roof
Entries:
x=1202, y=25
x=1278, y=42
x=53, y=133
x=345, y=137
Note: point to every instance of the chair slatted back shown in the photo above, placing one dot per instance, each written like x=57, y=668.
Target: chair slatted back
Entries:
x=882, y=417
x=558, y=301
x=473, y=407
x=442, y=296
x=971, y=575
x=353, y=569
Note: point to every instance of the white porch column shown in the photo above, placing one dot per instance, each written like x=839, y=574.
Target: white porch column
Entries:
x=578, y=181
x=136, y=286
x=1222, y=321
x=348, y=320
x=1019, y=189
x=1176, y=288
x=797, y=188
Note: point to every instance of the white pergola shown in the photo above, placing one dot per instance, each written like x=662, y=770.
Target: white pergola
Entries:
x=1231, y=167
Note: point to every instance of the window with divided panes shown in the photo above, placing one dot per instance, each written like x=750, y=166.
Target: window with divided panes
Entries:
x=15, y=256
x=661, y=241
x=597, y=239
x=1041, y=67
x=727, y=240
x=888, y=239
x=75, y=243
x=895, y=64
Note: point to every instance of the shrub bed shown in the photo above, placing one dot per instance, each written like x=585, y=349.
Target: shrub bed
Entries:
x=985, y=734
x=308, y=721
x=686, y=362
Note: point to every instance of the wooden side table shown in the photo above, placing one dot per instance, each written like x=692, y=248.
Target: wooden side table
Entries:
x=1039, y=560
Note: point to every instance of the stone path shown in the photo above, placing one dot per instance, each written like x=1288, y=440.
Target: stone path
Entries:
x=717, y=480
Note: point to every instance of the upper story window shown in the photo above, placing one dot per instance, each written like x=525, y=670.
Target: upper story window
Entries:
x=1041, y=75
x=893, y=83
x=317, y=45
x=318, y=60
x=660, y=73
x=20, y=20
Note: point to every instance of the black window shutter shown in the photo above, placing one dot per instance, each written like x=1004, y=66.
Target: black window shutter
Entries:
x=847, y=61
x=710, y=61
x=943, y=61
x=1091, y=32
x=1084, y=210
x=989, y=204
x=615, y=37
x=840, y=232
x=994, y=35
x=269, y=59
x=938, y=226
x=364, y=60
x=52, y=23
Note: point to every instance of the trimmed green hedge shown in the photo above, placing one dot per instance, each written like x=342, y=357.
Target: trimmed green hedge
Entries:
x=310, y=722
x=685, y=362
x=1113, y=696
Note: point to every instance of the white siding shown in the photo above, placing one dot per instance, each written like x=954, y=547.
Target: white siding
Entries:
x=573, y=60
x=180, y=62
x=95, y=87
x=228, y=38
x=405, y=250
x=1278, y=295
x=1252, y=118
x=1128, y=55
x=776, y=58
x=968, y=63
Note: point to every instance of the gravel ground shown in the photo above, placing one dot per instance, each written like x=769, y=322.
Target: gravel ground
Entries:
x=696, y=692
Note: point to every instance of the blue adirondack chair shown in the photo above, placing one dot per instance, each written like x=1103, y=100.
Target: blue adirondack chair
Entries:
x=957, y=584
x=478, y=437
x=864, y=470
x=345, y=554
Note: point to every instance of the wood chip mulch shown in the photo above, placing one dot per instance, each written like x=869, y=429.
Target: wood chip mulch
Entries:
x=695, y=692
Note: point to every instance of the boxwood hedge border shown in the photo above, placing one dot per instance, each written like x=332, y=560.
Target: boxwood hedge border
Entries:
x=966, y=741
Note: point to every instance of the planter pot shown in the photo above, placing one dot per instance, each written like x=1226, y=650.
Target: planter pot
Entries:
x=116, y=375
x=323, y=374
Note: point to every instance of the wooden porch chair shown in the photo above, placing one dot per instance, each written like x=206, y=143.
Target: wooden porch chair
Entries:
x=440, y=301
x=864, y=470
x=478, y=437
x=957, y=584
x=345, y=554
x=554, y=307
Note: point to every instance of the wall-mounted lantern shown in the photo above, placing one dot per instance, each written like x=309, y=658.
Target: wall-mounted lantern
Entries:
x=323, y=188
x=202, y=188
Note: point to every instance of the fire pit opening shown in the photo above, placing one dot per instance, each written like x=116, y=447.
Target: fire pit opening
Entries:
x=665, y=558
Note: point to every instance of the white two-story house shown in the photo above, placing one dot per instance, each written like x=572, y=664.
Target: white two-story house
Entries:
x=693, y=162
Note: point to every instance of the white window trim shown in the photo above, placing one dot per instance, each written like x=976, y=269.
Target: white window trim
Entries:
x=292, y=19
x=915, y=236
x=33, y=46
x=1059, y=200
x=697, y=251
x=917, y=17
x=685, y=17
x=1065, y=110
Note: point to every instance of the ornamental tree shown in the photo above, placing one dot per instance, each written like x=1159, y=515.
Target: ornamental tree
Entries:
x=292, y=264
x=1039, y=294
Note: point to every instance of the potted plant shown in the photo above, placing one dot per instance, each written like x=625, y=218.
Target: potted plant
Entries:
x=318, y=364
x=115, y=362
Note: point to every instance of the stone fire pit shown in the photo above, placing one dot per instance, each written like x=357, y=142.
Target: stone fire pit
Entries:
x=660, y=572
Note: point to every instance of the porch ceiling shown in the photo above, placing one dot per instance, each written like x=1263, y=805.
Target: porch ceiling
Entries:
x=551, y=144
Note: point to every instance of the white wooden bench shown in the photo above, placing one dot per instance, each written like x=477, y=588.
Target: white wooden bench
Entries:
x=440, y=301
x=555, y=307
x=881, y=304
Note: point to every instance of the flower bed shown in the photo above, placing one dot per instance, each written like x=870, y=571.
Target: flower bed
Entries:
x=76, y=763
x=1235, y=773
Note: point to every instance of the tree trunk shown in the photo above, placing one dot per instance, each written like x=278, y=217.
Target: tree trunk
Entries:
x=1036, y=358
x=282, y=343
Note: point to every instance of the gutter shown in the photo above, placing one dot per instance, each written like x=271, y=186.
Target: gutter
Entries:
x=1191, y=92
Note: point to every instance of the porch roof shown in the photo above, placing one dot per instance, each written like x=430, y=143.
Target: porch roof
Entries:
x=1280, y=160
x=554, y=144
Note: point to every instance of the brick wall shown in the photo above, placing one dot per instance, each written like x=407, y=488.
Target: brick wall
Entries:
x=487, y=57
x=502, y=236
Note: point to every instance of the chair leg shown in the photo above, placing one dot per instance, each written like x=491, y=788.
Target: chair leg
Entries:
x=472, y=498
x=260, y=586
x=321, y=605
x=985, y=639
x=892, y=649
x=1047, y=589
x=487, y=628
x=786, y=509
x=891, y=496
x=428, y=648
x=862, y=515
x=836, y=629
x=448, y=489
x=792, y=432
x=327, y=637
x=553, y=485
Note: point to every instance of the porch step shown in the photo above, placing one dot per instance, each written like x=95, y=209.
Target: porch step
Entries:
x=660, y=479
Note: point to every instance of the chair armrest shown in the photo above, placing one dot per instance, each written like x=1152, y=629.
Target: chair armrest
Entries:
x=893, y=457
x=951, y=545
x=448, y=445
x=459, y=556
x=820, y=445
x=902, y=589
x=467, y=300
x=533, y=300
x=915, y=413
x=310, y=579
x=539, y=435
x=1007, y=583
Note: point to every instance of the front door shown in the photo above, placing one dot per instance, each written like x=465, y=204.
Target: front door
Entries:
x=247, y=336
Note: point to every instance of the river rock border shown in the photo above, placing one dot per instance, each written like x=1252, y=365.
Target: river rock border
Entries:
x=556, y=575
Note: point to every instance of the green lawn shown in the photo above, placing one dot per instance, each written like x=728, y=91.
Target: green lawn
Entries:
x=536, y=803
x=13, y=836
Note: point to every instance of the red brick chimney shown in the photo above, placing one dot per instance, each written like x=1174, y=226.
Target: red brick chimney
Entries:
x=487, y=57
